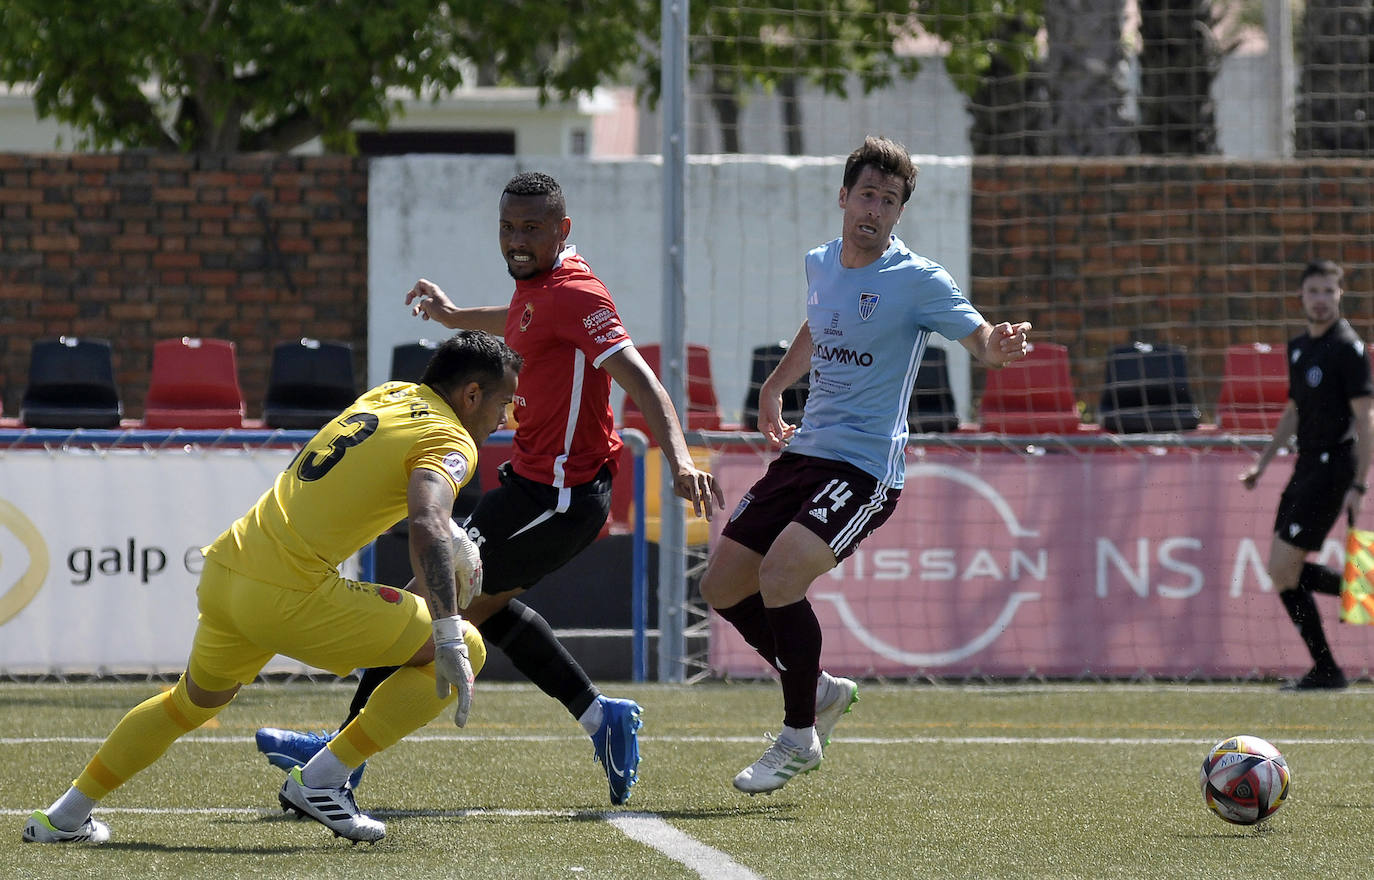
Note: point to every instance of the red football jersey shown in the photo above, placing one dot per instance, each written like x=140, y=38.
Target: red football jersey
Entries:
x=564, y=324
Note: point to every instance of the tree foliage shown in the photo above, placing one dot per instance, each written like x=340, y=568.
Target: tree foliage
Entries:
x=836, y=46
x=228, y=75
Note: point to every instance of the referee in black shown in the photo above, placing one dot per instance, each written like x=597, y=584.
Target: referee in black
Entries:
x=1328, y=413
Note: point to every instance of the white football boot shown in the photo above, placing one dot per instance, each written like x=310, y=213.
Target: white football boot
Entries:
x=334, y=808
x=785, y=758
x=834, y=698
x=39, y=830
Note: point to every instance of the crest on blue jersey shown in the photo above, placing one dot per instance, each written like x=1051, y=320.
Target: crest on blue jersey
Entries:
x=867, y=303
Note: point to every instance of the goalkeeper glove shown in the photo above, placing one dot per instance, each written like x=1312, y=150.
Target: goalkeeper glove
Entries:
x=467, y=565
x=451, y=666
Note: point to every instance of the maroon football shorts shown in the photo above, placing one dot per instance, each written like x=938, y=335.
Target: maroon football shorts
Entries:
x=838, y=502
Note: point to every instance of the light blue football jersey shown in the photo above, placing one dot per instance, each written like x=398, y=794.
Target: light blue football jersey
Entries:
x=869, y=328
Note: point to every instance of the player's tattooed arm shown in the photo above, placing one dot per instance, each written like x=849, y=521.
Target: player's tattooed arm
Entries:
x=429, y=501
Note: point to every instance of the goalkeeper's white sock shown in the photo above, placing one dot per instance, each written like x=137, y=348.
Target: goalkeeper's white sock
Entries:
x=590, y=720
x=325, y=770
x=70, y=810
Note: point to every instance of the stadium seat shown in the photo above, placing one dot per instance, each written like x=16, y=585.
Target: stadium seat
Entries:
x=308, y=384
x=1031, y=396
x=932, y=409
x=1254, y=388
x=408, y=362
x=71, y=385
x=194, y=384
x=409, y=359
x=1146, y=391
x=622, y=497
x=765, y=358
x=703, y=411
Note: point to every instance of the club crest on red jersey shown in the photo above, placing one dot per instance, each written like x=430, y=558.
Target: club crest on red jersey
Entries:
x=526, y=317
x=867, y=303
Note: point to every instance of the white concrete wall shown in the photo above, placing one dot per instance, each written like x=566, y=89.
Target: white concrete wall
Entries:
x=749, y=221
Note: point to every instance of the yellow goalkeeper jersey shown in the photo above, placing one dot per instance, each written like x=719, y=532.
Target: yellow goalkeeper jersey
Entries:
x=347, y=486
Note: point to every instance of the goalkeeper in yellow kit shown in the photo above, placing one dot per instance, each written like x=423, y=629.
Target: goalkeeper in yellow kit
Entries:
x=271, y=585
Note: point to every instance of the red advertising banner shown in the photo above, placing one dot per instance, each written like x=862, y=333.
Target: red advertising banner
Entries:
x=1118, y=563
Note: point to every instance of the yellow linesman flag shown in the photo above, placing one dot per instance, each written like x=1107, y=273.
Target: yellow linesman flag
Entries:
x=1357, y=587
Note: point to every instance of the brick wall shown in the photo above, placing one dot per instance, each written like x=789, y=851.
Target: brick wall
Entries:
x=140, y=247
x=1097, y=253
x=1205, y=254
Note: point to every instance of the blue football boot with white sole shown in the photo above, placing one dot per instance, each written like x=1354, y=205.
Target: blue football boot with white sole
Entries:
x=286, y=749
x=617, y=745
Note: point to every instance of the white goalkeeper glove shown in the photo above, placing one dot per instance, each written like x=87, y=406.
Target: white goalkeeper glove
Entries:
x=451, y=666
x=467, y=565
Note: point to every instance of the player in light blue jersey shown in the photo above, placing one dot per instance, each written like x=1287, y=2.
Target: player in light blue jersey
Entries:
x=871, y=306
x=867, y=329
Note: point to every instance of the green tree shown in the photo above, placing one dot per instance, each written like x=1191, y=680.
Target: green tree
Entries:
x=230, y=75
x=995, y=61
x=833, y=45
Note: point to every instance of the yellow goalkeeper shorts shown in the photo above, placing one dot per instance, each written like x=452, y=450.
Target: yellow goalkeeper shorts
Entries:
x=340, y=626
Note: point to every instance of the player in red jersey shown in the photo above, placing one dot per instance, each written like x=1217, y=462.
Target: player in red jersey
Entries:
x=555, y=492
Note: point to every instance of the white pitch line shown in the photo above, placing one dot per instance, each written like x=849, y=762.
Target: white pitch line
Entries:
x=211, y=739
x=708, y=862
x=273, y=812
x=646, y=828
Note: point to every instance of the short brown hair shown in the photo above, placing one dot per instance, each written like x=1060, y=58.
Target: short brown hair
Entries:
x=1322, y=267
x=887, y=156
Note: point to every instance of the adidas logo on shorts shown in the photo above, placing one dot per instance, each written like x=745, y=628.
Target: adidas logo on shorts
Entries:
x=820, y=513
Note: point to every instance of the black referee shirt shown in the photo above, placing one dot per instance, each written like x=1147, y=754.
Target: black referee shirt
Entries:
x=1324, y=374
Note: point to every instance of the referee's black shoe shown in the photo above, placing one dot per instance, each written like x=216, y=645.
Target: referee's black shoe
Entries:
x=1318, y=678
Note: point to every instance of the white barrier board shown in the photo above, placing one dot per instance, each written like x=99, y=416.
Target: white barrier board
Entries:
x=100, y=553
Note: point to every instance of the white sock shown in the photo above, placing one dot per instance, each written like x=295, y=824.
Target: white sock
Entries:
x=802, y=736
x=70, y=810
x=325, y=770
x=591, y=719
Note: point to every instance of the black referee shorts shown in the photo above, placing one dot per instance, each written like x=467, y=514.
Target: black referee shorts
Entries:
x=1312, y=501
x=521, y=534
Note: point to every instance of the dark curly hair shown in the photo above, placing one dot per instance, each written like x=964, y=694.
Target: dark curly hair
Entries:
x=536, y=183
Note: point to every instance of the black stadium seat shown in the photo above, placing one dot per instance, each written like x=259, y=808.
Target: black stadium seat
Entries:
x=765, y=359
x=932, y=402
x=71, y=385
x=309, y=383
x=1146, y=391
x=409, y=359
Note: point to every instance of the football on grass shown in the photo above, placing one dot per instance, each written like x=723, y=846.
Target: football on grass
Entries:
x=1244, y=779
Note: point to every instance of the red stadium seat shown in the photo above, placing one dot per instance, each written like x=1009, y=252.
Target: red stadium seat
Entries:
x=703, y=410
x=1032, y=396
x=1254, y=388
x=194, y=384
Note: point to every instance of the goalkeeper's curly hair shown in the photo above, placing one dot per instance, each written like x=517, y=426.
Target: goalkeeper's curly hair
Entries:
x=469, y=356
